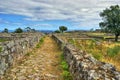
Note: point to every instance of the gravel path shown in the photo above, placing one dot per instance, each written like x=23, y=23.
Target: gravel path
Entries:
x=40, y=64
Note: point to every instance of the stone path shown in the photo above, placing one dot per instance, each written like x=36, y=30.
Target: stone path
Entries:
x=41, y=64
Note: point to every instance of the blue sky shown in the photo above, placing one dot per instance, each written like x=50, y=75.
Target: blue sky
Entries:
x=50, y=14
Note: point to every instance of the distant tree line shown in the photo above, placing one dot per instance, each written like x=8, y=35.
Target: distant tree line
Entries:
x=20, y=30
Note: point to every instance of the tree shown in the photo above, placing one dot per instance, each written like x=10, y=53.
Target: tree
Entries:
x=33, y=30
x=5, y=30
x=28, y=29
x=111, y=20
x=62, y=28
x=18, y=30
x=57, y=31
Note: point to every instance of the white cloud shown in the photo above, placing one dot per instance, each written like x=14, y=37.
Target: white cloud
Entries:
x=83, y=12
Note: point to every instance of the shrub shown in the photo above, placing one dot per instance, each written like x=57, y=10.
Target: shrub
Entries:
x=57, y=31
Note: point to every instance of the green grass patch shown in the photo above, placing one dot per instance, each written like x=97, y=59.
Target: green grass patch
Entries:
x=113, y=51
x=29, y=53
x=3, y=40
x=98, y=56
x=0, y=49
x=40, y=42
x=65, y=74
x=71, y=41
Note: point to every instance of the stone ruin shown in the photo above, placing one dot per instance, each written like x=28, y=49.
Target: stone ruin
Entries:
x=84, y=66
x=16, y=46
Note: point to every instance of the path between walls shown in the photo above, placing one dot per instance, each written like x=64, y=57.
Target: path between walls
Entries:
x=41, y=64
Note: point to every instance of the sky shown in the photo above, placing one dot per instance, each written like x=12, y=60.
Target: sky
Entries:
x=50, y=14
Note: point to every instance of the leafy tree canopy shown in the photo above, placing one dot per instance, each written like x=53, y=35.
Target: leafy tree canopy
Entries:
x=111, y=20
x=5, y=30
x=18, y=30
x=63, y=28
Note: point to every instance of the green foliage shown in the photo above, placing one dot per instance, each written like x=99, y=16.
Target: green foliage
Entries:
x=66, y=74
x=98, y=56
x=40, y=42
x=0, y=49
x=57, y=31
x=72, y=41
x=111, y=20
x=113, y=51
x=3, y=40
x=5, y=30
x=62, y=28
x=64, y=65
x=18, y=30
x=28, y=29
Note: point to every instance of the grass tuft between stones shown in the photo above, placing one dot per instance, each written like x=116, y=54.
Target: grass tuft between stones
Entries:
x=40, y=42
x=65, y=74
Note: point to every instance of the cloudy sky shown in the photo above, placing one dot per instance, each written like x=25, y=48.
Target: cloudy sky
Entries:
x=50, y=14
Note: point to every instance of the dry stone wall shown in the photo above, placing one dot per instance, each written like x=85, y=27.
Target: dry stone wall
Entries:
x=84, y=66
x=13, y=50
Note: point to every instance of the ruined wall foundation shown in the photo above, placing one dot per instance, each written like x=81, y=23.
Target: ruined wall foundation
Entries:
x=15, y=49
x=84, y=66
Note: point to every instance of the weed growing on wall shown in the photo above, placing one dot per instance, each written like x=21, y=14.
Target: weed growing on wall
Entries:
x=3, y=40
x=0, y=49
x=65, y=74
x=40, y=42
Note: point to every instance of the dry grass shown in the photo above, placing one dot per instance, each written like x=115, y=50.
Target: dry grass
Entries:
x=100, y=50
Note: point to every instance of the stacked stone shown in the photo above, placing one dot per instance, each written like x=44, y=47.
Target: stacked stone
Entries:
x=15, y=49
x=84, y=66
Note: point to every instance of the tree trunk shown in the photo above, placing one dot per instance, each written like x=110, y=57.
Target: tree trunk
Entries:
x=116, y=37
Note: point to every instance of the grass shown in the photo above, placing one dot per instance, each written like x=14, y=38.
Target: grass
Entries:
x=40, y=42
x=65, y=74
x=113, y=51
x=101, y=50
x=3, y=40
x=29, y=53
x=0, y=49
